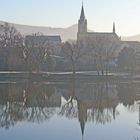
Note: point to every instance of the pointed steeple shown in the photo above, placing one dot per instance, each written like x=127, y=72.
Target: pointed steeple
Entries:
x=114, y=30
x=114, y=111
x=82, y=124
x=82, y=115
x=82, y=16
x=82, y=23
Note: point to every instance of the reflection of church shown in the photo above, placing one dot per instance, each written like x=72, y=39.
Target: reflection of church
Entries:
x=97, y=108
x=95, y=102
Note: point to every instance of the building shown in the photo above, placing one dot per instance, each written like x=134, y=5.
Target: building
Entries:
x=42, y=39
x=84, y=37
x=92, y=41
x=53, y=43
x=104, y=40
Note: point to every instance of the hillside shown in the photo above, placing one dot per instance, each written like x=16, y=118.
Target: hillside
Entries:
x=132, y=38
x=65, y=33
x=69, y=33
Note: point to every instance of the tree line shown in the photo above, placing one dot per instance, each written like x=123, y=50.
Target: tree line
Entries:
x=101, y=52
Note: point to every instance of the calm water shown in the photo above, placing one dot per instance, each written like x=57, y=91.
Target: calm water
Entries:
x=70, y=111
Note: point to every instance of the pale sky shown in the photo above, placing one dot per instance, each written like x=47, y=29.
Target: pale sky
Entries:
x=100, y=14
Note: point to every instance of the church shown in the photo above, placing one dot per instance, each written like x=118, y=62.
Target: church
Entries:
x=100, y=47
x=108, y=43
x=85, y=37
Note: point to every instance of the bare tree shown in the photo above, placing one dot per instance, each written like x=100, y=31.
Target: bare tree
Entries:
x=72, y=52
x=9, y=36
x=69, y=109
x=36, y=51
x=102, y=49
x=11, y=42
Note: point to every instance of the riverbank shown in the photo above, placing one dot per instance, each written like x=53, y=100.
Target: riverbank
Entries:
x=65, y=76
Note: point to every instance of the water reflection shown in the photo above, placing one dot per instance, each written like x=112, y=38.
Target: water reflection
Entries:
x=87, y=102
x=27, y=102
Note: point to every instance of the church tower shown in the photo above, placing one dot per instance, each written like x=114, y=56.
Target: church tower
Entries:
x=82, y=25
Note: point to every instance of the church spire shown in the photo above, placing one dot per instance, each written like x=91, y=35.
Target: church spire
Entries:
x=82, y=22
x=82, y=124
x=82, y=16
x=114, y=30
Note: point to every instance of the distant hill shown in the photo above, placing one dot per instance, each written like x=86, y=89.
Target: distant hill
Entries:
x=69, y=33
x=65, y=33
x=132, y=38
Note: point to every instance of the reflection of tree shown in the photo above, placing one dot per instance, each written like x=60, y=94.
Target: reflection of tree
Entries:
x=138, y=123
x=136, y=138
x=126, y=93
x=38, y=98
x=10, y=109
x=106, y=100
x=101, y=108
x=10, y=113
x=69, y=108
x=39, y=114
x=96, y=102
x=36, y=109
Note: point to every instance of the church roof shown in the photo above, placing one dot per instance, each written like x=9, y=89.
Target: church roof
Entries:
x=42, y=39
x=101, y=33
x=109, y=35
x=53, y=38
x=131, y=42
